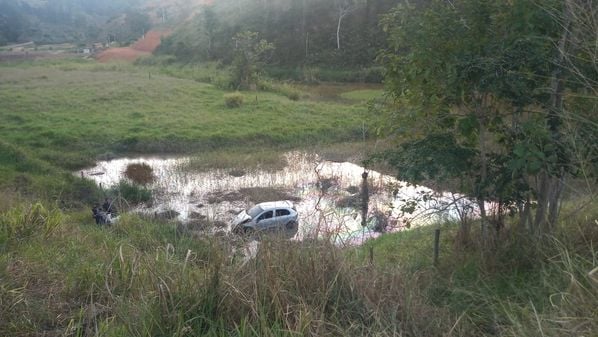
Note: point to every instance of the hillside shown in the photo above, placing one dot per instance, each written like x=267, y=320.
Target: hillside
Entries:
x=338, y=34
x=142, y=47
x=58, y=21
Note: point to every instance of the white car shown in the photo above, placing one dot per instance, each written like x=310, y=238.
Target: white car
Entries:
x=273, y=215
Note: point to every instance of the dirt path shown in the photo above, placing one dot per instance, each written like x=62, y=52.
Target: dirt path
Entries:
x=143, y=47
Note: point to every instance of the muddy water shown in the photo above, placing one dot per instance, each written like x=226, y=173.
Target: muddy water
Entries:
x=322, y=190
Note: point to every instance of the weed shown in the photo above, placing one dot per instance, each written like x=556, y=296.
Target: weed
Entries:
x=263, y=194
x=233, y=100
x=237, y=160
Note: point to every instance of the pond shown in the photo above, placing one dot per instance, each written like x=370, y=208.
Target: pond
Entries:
x=327, y=195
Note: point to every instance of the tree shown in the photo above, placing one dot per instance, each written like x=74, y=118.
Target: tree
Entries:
x=137, y=24
x=250, y=54
x=489, y=75
x=210, y=24
x=12, y=23
x=343, y=8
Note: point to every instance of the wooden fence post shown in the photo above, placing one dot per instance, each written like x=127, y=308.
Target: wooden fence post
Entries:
x=436, y=245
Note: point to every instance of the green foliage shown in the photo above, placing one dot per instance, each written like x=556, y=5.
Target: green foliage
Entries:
x=282, y=88
x=484, y=73
x=362, y=95
x=24, y=222
x=233, y=100
x=156, y=60
x=132, y=193
x=437, y=157
x=210, y=72
x=304, y=33
x=312, y=74
x=250, y=54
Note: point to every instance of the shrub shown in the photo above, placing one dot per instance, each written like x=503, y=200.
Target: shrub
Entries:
x=140, y=173
x=310, y=75
x=156, y=60
x=233, y=100
x=132, y=193
x=282, y=88
x=288, y=90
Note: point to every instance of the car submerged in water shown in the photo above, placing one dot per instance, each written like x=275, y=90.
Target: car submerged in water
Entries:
x=267, y=216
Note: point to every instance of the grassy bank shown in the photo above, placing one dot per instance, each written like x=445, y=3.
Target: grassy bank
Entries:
x=61, y=275
x=59, y=115
x=83, y=109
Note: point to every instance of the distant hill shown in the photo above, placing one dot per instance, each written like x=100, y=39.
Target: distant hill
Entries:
x=84, y=21
x=173, y=12
x=331, y=33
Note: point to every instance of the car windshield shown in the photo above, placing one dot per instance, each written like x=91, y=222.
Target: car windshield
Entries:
x=254, y=211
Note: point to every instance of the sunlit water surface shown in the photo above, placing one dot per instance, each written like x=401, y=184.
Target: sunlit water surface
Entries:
x=178, y=188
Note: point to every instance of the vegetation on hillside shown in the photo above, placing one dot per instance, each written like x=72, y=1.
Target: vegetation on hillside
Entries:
x=308, y=33
x=82, y=21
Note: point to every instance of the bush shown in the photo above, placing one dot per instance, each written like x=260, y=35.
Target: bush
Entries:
x=132, y=193
x=310, y=75
x=160, y=60
x=140, y=173
x=284, y=89
x=288, y=90
x=313, y=74
x=233, y=100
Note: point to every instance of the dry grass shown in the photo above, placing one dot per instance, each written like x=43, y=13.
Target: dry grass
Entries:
x=140, y=173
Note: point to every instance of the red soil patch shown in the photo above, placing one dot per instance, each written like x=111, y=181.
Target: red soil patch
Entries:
x=150, y=42
x=143, y=47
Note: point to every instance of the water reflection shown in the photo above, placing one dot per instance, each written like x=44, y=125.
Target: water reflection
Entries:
x=326, y=195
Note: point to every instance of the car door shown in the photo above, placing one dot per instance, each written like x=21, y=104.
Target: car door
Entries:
x=282, y=216
x=265, y=220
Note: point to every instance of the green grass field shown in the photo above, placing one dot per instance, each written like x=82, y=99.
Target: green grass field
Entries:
x=61, y=115
x=85, y=109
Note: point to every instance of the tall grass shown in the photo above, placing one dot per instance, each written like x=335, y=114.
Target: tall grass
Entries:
x=132, y=193
x=141, y=277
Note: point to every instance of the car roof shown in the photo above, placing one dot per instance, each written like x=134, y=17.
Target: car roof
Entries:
x=276, y=204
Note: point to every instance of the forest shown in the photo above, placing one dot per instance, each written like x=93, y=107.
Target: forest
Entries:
x=340, y=33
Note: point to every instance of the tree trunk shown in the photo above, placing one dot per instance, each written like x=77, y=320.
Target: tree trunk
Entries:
x=551, y=183
x=341, y=15
x=524, y=215
x=554, y=199
x=304, y=32
x=481, y=193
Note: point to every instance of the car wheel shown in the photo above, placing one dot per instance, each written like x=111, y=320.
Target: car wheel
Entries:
x=291, y=225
